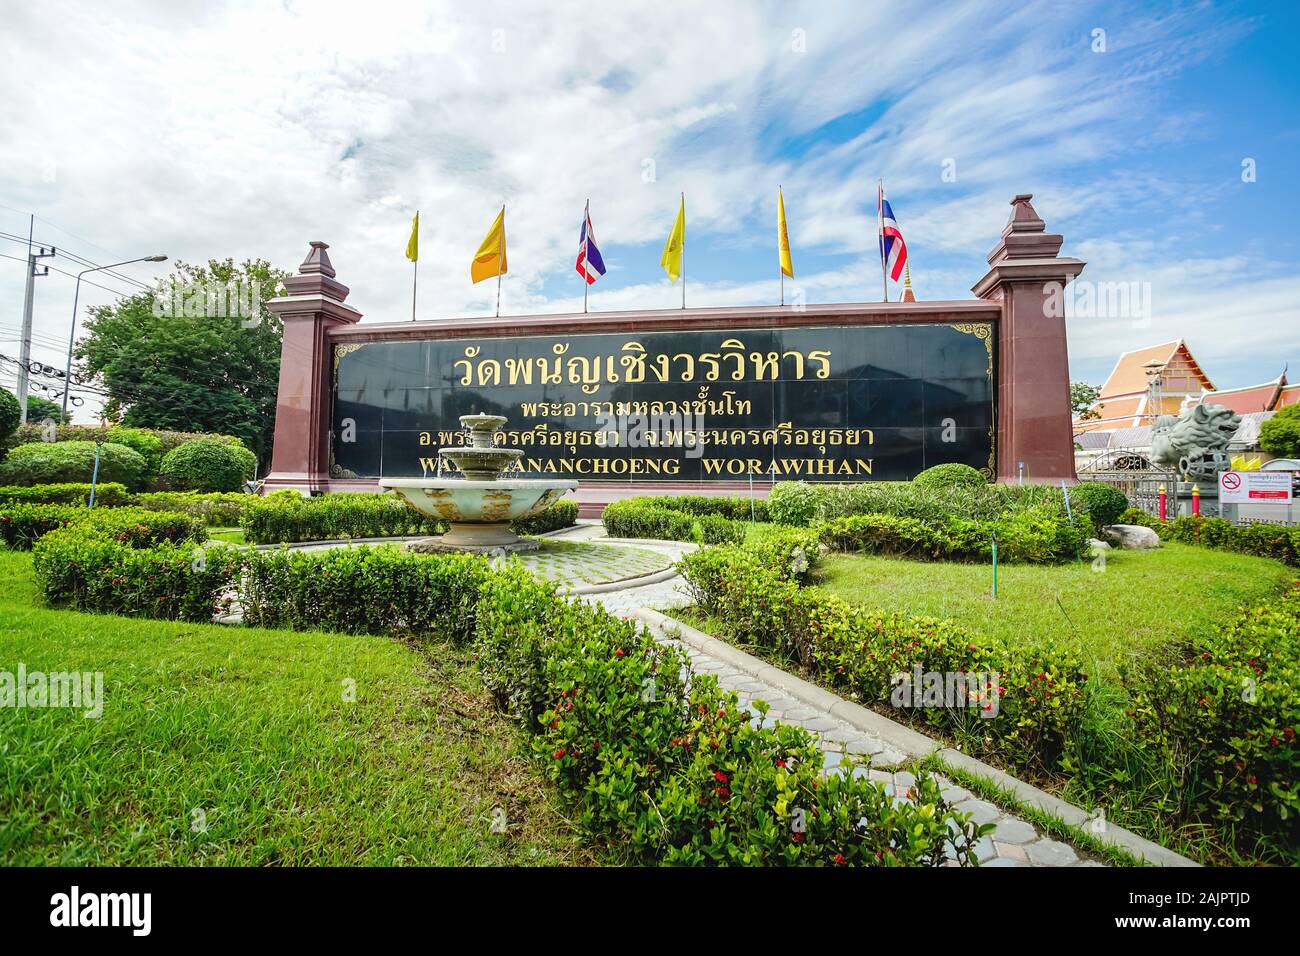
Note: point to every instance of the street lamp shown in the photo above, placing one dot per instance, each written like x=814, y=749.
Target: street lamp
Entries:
x=72, y=335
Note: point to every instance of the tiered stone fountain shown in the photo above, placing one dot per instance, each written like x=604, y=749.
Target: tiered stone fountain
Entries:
x=480, y=506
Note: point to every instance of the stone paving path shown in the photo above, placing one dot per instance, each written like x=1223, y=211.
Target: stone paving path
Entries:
x=578, y=564
x=1014, y=842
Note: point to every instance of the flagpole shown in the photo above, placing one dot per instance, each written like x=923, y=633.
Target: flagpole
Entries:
x=415, y=264
x=683, y=250
x=780, y=270
x=880, y=237
x=501, y=259
x=586, y=244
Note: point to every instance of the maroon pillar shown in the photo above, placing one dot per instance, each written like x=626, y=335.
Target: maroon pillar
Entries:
x=312, y=306
x=1028, y=278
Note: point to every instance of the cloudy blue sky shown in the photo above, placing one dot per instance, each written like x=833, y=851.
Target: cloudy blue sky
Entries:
x=247, y=129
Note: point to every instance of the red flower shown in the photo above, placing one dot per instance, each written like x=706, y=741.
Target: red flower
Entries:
x=559, y=754
x=780, y=762
x=619, y=652
x=798, y=838
x=1288, y=732
x=1252, y=780
x=839, y=858
x=719, y=776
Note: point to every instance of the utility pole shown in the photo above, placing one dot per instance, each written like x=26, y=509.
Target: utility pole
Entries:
x=25, y=346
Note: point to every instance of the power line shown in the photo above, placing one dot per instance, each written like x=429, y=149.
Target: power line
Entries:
x=73, y=275
x=80, y=260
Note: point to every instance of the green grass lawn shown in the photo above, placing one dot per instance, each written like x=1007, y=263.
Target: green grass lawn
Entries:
x=251, y=728
x=1140, y=601
x=228, y=535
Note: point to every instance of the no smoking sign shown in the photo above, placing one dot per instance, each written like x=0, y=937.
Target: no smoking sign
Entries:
x=1255, y=487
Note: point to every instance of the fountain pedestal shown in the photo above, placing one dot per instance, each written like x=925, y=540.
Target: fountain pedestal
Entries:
x=479, y=507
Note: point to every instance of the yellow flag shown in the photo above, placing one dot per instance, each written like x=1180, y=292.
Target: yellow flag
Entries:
x=783, y=236
x=490, y=260
x=672, y=257
x=413, y=244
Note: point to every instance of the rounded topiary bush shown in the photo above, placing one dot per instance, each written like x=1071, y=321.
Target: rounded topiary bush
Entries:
x=145, y=442
x=1104, y=503
x=207, y=465
x=951, y=475
x=47, y=463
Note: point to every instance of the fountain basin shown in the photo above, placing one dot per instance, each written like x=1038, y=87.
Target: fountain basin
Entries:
x=479, y=512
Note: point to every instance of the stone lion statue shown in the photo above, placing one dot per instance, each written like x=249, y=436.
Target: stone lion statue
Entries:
x=1196, y=442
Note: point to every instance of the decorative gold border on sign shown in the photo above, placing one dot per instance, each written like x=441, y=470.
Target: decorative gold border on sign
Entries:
x=345, y=348
x=984, y=332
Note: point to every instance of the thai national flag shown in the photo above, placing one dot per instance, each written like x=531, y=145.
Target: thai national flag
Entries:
x=589, y=265
x=893, y=251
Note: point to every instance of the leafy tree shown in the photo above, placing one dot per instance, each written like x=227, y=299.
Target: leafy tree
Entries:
x=1082, y=397
x=10, y=414
x=39, y=409
x=175, y=357
x=1280, y=435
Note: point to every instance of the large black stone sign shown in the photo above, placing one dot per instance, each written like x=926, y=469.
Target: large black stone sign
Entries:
x=843, y=403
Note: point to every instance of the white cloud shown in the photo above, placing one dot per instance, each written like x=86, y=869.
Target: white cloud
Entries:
x=247, y=129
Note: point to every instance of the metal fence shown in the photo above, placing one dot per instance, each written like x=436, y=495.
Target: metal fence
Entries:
x=1142, y=488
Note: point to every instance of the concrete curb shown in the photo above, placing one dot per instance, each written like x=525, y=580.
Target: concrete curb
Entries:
x=904, y=739
x=625, y=584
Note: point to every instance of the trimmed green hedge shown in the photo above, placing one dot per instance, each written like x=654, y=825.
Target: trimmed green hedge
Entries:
x=562, y=514
x=23, y=525
x=633, y=518
x=802, y=503
x=83, y=568
x=701, y=518
x=286, y=517
x=33, y=432
x=1279, y=542
x=735, y=507
x=1040, y=692
x=42, y=463
x=363, y=590
x=217, y=509
x=684, y=776
x=1223, y=721
x=1037, y=536
x=108, y=494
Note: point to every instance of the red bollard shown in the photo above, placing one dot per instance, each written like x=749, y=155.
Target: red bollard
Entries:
x=1164, y=504
x=1196, y=499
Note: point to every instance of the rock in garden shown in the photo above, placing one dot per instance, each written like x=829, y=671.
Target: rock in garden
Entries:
x=1132, y=536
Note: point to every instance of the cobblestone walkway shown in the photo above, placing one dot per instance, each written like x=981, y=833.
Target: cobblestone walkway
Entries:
x=1014, y=842
x=577, y=564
